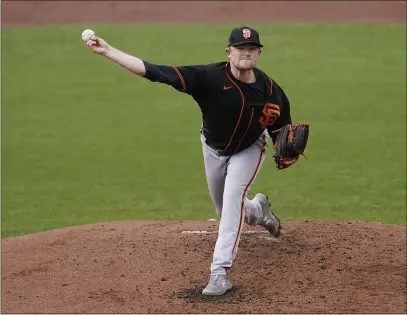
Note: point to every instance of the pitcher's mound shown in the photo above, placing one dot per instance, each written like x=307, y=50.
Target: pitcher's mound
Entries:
x=162, y=267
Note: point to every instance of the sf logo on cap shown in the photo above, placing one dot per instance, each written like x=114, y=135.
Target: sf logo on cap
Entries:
x=246, y=33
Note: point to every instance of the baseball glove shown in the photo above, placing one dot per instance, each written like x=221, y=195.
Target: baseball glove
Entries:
x=290, y=144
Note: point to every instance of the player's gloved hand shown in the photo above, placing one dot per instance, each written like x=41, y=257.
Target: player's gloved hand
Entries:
x=98, y=45
x=290, y=144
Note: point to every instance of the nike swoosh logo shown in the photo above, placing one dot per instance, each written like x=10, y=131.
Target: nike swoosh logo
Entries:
x=227, y=87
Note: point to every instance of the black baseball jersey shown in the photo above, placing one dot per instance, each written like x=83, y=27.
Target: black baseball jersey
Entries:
x=234, y=113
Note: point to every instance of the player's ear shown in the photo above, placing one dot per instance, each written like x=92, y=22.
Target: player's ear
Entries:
x=227, y=50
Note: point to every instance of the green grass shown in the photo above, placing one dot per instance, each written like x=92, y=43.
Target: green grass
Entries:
x=84, y=141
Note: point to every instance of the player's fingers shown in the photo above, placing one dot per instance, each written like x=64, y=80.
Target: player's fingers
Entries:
x=90, y=43
x=96, y=39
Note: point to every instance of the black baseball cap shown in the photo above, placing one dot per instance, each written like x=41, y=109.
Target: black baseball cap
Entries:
x=244, y=35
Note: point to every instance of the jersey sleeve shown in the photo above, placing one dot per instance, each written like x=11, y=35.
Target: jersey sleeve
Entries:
x=280, y=98
x=186, y=79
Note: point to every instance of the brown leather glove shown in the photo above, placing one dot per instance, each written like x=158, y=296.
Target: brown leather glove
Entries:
x=290, y=144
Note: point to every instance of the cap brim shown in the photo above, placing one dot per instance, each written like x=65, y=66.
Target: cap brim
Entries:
x=246, y=42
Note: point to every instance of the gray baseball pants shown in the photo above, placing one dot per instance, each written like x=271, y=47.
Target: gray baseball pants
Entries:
x=229, y=180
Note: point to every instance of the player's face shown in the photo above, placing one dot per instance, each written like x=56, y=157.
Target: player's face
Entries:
x=243, y=57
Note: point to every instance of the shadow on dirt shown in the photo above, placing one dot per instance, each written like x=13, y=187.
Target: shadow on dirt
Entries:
x=194, y=295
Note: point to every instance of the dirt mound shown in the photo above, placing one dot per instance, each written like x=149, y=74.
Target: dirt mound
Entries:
x=153, y=267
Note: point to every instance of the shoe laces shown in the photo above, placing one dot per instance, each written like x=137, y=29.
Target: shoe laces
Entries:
x=264, y=204
x=217, y=278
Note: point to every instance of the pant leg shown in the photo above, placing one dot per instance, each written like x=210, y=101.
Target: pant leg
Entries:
x=242, y=170
x=215, y=171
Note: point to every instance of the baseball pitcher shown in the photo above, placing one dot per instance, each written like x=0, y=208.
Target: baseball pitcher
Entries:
x=241, y=109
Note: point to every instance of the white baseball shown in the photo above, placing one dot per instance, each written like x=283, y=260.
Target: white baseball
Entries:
x=87, y=34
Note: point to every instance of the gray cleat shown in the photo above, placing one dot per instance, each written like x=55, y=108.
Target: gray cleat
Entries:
x=269, y=221
x=218, y=285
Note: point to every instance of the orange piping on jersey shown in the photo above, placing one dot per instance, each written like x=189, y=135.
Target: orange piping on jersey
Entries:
x=250, y=122
x=241, y=111
x=271, y=86
x=181, y=78
x=243, y=198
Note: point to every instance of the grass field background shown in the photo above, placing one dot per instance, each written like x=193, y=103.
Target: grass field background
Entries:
x=84, y=141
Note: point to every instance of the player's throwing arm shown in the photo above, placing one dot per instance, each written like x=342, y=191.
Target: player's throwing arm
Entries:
x=101, y=47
